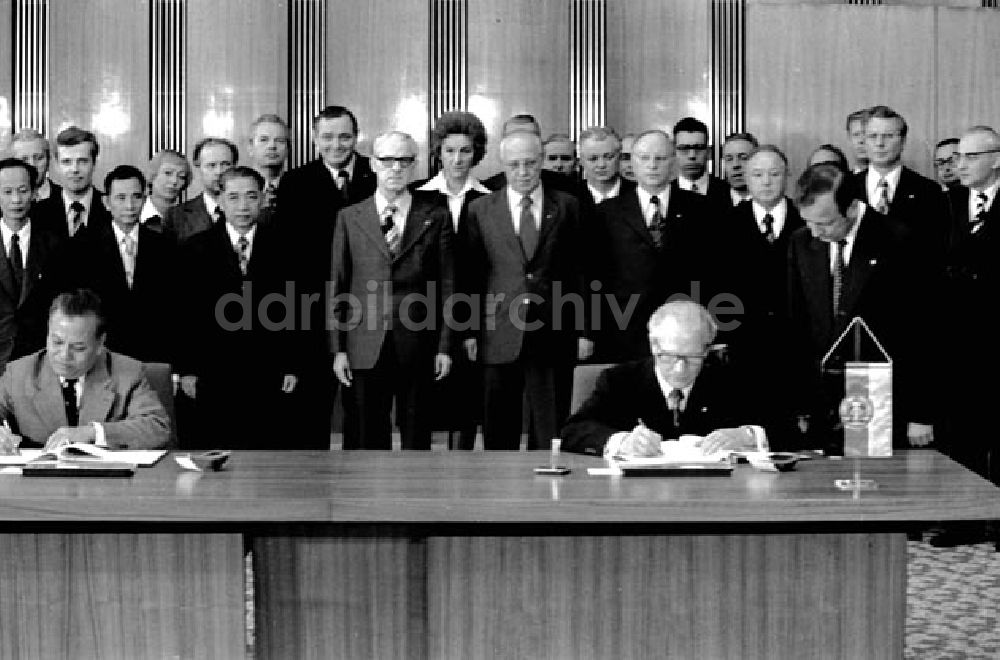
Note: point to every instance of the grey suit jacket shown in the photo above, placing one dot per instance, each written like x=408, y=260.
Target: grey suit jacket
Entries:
x=363, y=268
x=115, y=393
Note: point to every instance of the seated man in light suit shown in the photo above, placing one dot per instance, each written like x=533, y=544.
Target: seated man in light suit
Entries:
x=637, y=404
x=77, y=391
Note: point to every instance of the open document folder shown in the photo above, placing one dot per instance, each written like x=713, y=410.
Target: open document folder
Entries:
x=87, y=452
x=678, y=457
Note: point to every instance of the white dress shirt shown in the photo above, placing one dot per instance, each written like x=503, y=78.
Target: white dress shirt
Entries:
x=23, y=238
x=891, y=180
x=234, y=238
x=687, y=184
x=86, y=201
x=211, y=203
x=990, y=192
x=455, y=200
x=601, y=196
x=778, y=213
x=851, y=236
x=402, y=204
x=646, y=204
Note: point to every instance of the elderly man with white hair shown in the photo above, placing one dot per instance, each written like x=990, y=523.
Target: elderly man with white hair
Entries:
x=676, y=391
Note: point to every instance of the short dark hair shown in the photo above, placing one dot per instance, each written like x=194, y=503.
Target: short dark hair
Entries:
x=336, y=112
x=858, y=115
x=522, y=118
x=885, y=112
x=8, y=163
x=241, y=172
x=72, y=136
x=836, y=151
x=200, y=145
x=746, y=137
x=690, y=125
x=947, y=141
x=822, y=178
x=80, y=302
x=459, y=123
x=124, y=173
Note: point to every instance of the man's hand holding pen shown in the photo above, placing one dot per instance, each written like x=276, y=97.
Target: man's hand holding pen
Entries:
x=641, y=441
x=9, y=441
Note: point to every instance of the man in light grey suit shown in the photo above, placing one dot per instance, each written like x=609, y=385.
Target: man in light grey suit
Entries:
x=77, y=391
x=392, y=254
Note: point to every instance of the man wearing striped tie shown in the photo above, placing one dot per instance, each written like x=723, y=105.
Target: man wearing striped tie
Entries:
x=849, y=261
x=392, y=273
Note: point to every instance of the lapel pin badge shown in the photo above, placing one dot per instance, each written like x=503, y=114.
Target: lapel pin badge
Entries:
x=872, y=262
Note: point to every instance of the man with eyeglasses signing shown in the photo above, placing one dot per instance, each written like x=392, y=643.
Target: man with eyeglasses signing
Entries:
x=677, y=391
x=392, y=273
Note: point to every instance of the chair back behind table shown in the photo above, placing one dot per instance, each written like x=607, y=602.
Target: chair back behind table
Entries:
x=160, y=379
x=584, y=382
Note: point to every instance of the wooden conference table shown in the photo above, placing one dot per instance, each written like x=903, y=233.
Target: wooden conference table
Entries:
x=468, y=555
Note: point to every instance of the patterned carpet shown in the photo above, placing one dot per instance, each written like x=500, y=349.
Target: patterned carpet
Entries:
x=953, y=602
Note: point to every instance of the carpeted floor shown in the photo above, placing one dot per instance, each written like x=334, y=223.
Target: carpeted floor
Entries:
x=953, y=602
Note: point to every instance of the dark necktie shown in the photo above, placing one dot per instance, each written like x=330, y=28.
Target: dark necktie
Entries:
x=343, y=181
x=674, y=400
x=528, y=232
x=16, y=264
x=839, y=271
x=390, y=230
x=69, y=398
x=243, y=253
x=656, y=223
x=694, y=189
x=769, y=227
x=976, y=223
x=76, y=217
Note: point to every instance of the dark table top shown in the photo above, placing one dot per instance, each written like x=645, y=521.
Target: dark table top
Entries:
x=499, y=487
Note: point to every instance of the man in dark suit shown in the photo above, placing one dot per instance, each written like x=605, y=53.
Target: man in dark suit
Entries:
x=691, y=144
x=946, y=163
x=26, y=282
x=894, y=190
x=212, y=157
x=130, y=267
x=638, y=404
x=31, y=146
x=852, y=262
x=855, y=127
x=759, y=231
x=309, y=198
x=76, y=391
x=79, y=206
x=972, y=286
x=268, y=151
x=736, y=151
x=521, y=251
x=240, y=358
x=401, y=244
x=642, y=247
x=600, y=149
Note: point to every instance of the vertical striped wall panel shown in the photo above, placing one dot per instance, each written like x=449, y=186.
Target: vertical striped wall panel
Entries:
x=728, y=40
x=6, y=72
x=31, y=36
x=307, y=73
x=449, y=25
x=167, y=31
x=587, y=53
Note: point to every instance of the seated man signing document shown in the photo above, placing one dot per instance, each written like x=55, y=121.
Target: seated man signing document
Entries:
x=636, y=405
x=76, y=391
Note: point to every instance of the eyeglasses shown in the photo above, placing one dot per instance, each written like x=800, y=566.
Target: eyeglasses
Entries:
x=697, y=148
x=561, y=157
x=972, y=155
x=941, y=162
x=625, y=156
x=403, y=161
x=670, y=359
x=875, y=137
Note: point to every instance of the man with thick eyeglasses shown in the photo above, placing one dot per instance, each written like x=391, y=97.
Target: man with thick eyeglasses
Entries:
x=693, y=150
x=895, y=190
x=946, y=163
x=971, y=293
x=676, y=391
x=392, y=273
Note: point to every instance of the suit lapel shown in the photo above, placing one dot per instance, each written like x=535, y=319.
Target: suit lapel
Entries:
x=633, y=217
x=550, y=216
x=7, y=278
x=415, y=225
x=48, y=399
x=864, y=258
x=97, y=393
x=371, y=225
x=504, y=225
x=817, y=263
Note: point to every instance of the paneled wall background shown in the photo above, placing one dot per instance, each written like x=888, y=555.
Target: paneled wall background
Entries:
x=148, y=74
